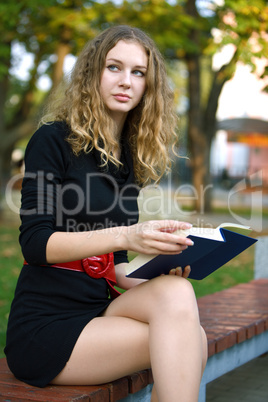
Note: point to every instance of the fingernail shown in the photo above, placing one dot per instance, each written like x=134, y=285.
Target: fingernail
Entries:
x=187, y=225
x=189, y=242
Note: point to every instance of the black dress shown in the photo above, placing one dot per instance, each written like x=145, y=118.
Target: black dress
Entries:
x=62, y=192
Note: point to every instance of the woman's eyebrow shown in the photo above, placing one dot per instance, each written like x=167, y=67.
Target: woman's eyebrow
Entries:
x=120, y=62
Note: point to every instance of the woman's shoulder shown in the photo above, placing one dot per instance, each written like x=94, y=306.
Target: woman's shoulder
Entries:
x=52, y=135
x=48, y=144
x=57, y=130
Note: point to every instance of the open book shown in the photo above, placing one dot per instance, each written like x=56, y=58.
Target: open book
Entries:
x=212, y=248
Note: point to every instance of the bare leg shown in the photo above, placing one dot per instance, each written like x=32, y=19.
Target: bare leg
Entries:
x=108, y=348
x=175, y=337
x=156, y=325
x=154, y=395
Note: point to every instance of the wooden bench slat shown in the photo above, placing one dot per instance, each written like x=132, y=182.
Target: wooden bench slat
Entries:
x=255, y=323
x=52, y=393
x=9, y=385
x=138, y=381
x=3, y=366
x=224, y=340
x=48, y=394
x=241, y=333
x=118, y=389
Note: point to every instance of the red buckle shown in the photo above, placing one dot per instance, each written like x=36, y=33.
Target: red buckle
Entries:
x=99, y=266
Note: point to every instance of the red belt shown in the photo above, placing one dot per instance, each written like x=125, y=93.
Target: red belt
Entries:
x=101, y=266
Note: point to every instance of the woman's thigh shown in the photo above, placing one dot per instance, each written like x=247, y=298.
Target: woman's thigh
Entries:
x=108, y=348
x=117, y=343
x=113, y=345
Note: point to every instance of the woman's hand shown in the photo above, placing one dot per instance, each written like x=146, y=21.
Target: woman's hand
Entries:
x=181, y=272
x=156, y=237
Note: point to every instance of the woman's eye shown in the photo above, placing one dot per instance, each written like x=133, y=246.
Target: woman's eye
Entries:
x=138, y=73
x=112, y=67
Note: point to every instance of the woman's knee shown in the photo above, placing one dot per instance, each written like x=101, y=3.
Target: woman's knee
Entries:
x=174, y=294
x=167, y=295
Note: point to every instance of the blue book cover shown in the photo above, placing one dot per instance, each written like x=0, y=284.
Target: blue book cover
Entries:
x=204, y=257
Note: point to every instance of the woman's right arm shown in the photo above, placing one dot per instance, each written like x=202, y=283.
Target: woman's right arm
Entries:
x=152, y=237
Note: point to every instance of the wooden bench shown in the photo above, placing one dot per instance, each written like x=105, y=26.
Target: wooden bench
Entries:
x=236, y=323
x=12, y=390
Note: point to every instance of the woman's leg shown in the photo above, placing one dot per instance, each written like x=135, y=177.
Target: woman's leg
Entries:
x=156, y=325
x=108, y=348
x=177, y=344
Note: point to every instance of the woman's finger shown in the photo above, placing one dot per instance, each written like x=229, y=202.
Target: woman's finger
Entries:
x=186, y=271
x=178, y=271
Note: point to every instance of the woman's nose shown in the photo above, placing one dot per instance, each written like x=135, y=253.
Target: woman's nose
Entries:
x=125, y=79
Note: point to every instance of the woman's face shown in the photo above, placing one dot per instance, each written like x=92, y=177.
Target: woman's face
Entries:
x=123, y=80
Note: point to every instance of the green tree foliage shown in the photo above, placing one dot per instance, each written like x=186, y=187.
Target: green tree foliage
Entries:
x=49, y=30
x=186, y=31
x=193, y=31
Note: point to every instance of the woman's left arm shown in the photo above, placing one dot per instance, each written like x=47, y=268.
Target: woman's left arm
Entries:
x=122, y=281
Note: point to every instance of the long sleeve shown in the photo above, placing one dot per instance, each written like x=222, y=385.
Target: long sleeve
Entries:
x=64, y=192
x=45, y=165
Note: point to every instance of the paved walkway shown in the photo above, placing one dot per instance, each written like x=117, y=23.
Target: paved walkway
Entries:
x=248, y=383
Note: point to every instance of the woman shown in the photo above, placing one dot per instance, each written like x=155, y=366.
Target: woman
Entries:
x=109, y=133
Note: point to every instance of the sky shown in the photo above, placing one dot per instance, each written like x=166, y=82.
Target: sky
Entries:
x=243, y=96
x=23, y=62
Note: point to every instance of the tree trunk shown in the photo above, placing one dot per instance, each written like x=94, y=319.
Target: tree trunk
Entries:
x=3, y=96
x=220, y=77
x=24, y=120
x=202, y=120
x=197, y=144
x=63, y=49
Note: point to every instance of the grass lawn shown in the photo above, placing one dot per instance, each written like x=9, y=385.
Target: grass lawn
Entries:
x=236, y=271
x=10, y=265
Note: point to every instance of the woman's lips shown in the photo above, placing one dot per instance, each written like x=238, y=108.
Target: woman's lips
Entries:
x=122, y=97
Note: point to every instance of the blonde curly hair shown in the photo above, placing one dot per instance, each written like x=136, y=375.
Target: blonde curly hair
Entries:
x=150, y=126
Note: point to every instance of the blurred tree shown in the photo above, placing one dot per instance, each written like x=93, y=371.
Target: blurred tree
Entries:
x=49, y=30
x=193, y=31
x=190, y=31
x=242, y=24
x=15, y=18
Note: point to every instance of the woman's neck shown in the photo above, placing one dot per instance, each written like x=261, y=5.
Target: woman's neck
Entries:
x=119, y=121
